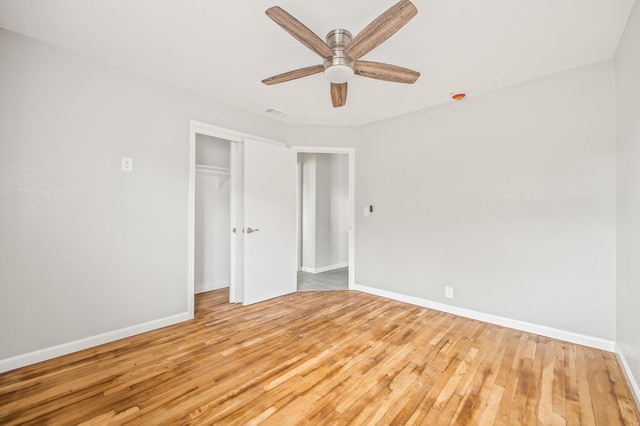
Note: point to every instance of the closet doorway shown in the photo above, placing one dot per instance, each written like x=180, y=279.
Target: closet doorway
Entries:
x=212, y=214
x=262, y=186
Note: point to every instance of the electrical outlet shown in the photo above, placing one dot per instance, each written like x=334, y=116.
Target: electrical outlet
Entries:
x=448, y=292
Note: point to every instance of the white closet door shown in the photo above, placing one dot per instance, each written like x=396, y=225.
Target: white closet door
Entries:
x=270, y=221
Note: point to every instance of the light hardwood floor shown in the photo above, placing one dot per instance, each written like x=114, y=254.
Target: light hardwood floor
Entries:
x=339, y=357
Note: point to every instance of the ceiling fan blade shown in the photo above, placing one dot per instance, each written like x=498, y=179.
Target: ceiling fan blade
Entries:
x=292, y=75
x=383, y=27
x=386, y=72
x=301, y=33
x=338, y=94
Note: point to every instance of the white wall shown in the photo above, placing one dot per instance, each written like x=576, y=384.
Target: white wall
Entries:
x=509, y=197
x=308, y=216
x=212, y=216
x=628, y=195
x=86, y=249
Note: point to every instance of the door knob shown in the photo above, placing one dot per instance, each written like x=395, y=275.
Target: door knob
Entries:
x=250, y=230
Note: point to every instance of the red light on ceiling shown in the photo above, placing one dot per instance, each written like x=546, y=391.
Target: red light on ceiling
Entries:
x=458, y=96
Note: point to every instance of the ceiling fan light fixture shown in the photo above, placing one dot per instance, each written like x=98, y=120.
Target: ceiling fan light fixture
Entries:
x=338, y=73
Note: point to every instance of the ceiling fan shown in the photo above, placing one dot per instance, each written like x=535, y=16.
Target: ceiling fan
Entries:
x=341, y=52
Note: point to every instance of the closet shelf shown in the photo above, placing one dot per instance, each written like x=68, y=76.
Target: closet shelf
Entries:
x=212, y=169
x=215, y=171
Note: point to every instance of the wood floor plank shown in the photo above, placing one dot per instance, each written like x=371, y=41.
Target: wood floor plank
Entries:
x=340, y=357
x=477, y=392
x=571, y=387
x=512, y=364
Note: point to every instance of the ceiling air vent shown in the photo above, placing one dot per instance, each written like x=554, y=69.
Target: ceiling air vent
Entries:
x=275, y=112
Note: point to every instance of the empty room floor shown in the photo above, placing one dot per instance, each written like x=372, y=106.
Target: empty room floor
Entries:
x=338, y=279
x=339, y=357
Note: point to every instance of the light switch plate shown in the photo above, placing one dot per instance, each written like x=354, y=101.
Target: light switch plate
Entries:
x=127, y=164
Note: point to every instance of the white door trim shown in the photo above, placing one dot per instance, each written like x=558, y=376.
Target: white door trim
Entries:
x=351, y=152
x=235, y=296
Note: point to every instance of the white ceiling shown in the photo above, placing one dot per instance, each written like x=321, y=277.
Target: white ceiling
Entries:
x=223, y=49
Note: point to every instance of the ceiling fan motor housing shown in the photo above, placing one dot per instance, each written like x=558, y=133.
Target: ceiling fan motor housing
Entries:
x=338, y=68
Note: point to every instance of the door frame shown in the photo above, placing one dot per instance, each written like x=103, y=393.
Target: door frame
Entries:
x=201, y=128
x=351, y=153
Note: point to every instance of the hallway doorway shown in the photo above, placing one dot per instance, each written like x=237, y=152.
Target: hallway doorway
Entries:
x=325, y=218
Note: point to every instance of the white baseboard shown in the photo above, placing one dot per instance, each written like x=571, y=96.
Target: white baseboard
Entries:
x=18, y=361
x=568, y=336
x=628, y=374
x=210, y=286
x=324, y=268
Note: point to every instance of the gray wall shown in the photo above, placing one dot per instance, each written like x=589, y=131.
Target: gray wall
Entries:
x=85, y=248
x=212, y=151
x=628, y=196
x=334, y=136
x=338, y=208
x=509, y=197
